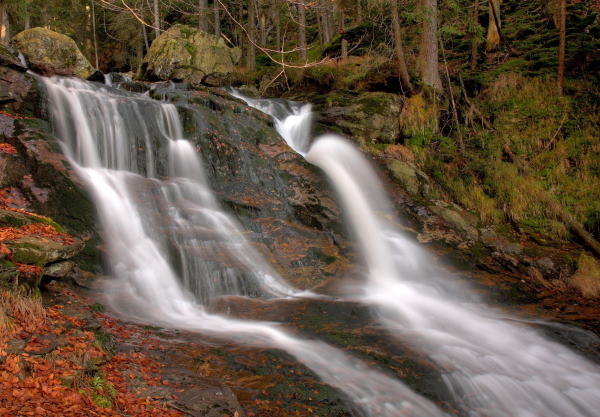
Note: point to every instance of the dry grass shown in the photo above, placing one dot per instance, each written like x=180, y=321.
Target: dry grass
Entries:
x=419, y=117
x=474, y=199
x=587, y=277
x=20, y=308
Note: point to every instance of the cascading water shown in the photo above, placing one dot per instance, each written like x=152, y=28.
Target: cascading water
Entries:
x=123, y=144
x=492, y=366
x=170, y=246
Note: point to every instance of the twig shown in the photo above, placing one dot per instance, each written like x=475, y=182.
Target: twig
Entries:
x=562, y=122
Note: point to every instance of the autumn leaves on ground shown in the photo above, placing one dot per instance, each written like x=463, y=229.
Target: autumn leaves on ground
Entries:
x=50, y=364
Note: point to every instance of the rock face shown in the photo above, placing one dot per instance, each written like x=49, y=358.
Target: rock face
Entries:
x=52, y=53
x=186, y=54
x=369, y=117
x=14, y=83
x=281, y=201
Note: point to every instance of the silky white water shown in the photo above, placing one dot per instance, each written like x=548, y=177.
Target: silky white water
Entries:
x=170, y=246
x=492, y=366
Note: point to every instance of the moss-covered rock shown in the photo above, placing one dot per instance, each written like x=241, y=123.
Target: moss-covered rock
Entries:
x=186, y=54
x=34, y=250
x=50, y=53
x=9, y=218
x=371, y=117
x=414, y=181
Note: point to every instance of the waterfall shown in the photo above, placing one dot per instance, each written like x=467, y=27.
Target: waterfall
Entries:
x=172, y=249
x=22, y=60
x=493, y=366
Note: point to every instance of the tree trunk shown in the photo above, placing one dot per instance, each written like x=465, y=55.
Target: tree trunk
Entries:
x=94, y=33
x=217, y=18
x=145, y=34
x=139, y=52
x=4, y=25
x=263, y=28
x=156, y=12
x=342, y=30
x=202, y=17
x=277, y=19
x=474, y=39
x=27, y=24
x=320, y=24
x=427, y=62
x=562, y=47
x=327, y=21
x=302, y=29
x=399, y=49
x=493, y=34
x=322, y=13
x=251, y=50
x=358, y=18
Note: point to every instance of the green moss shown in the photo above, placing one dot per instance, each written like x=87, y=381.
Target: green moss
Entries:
x=322, y=256
x=90, y=258
x=103, y=339
x=97, y=307
x=26, y=253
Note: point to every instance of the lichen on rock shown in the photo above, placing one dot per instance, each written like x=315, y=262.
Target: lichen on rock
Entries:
x=186, y=54
x=51, y=53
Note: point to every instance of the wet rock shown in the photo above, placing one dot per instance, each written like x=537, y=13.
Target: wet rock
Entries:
x=284, y=204
x=52, y=188
x=208, y=398
x=50, y=53
x=34, y=250
x=11, y=169
x=183, y=53
x=9, y=59
x=14, y=85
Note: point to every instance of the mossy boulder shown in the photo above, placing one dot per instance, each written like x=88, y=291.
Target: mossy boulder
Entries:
x=34, y=250
x=372, y=117
x=186, y=54
x=414, y=181
x=50, y=53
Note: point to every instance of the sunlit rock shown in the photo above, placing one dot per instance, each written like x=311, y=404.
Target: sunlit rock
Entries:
x=186, y=54
x=51, y=53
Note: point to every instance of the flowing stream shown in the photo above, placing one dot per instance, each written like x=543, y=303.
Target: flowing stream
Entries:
x=492, y=365
x=172, y=249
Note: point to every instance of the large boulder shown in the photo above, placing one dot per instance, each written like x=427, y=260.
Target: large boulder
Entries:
x=186, y=54
x=50, y=53
x=372, y=117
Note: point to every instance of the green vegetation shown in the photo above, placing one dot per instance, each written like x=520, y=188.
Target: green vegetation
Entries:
x=541, y=150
